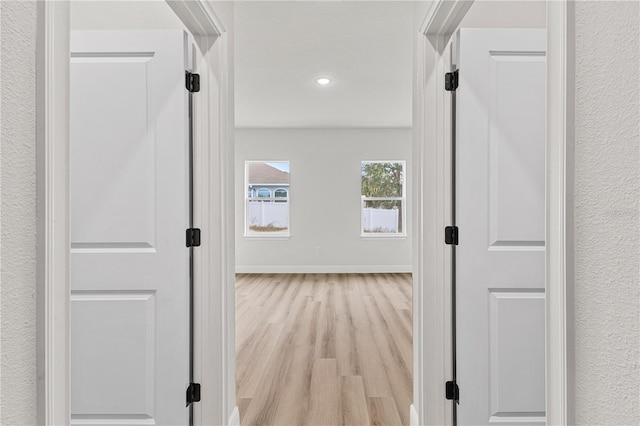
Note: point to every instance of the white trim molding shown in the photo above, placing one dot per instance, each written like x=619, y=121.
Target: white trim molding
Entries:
x=560, y=172
x=214, y=286
x=444, y=18
x=198, y=16
x=432, y=185
x=323, y=269
x=52, y=178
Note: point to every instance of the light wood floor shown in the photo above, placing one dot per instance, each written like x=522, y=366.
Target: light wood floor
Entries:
x=324, y=349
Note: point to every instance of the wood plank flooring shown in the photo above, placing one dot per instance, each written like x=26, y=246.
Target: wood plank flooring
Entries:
x=324, y=349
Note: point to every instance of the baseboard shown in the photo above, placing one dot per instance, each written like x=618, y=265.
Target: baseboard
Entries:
x=321, y=269
x=234, y=418
x=413, y=416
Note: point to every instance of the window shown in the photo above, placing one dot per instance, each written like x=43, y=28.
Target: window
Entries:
x=264, y=193
x=280, y=193
x=383, y=198
x=267, y=203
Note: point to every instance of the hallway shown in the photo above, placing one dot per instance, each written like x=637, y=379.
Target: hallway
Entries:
x=324, y=349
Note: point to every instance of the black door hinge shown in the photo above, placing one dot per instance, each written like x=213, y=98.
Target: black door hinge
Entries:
x=451, y=235
x=451, y=391
x=193, y=237
x=451, y=81
x=193, y=393
x=192, y=82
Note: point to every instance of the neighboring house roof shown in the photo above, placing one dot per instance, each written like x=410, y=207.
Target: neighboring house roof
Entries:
x=262, y=173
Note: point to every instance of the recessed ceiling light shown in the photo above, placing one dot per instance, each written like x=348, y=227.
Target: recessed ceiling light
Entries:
x=323, y=81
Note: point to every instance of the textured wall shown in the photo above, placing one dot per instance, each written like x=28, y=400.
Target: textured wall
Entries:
x=607, y=322
x=17, y=215
x=1, y=264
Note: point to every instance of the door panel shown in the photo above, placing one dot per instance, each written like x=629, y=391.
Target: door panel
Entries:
x=99, y=319
x=128, y=202
x=516, y=156
x=500, y=196
x=115, y=210
x=516, y=346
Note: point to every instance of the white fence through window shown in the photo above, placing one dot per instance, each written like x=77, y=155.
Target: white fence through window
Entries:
x=380, y=220
x=268, y=213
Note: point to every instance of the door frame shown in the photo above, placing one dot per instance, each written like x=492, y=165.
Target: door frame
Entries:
x=432, y=259
x=215, y=322
x=213, y=181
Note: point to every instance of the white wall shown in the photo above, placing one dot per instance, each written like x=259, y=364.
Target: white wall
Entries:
x=325, y=200
x=607, y=221
x=607, y=296
x=123, y=15
x=506, y=14
x=18, y=214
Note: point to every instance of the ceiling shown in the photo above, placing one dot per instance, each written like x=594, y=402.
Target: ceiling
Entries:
x=364, y=47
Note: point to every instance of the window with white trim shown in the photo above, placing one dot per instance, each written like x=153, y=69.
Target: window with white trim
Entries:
x=281, y=193
x=383, y=198
x=264, y=193
x=267, y=198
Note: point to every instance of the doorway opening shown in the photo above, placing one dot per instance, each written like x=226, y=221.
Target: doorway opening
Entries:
x=492, y=193
x=323, y=157
x=428, y=394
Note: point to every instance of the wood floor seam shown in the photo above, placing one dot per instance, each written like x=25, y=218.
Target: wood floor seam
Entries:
x=324, y=349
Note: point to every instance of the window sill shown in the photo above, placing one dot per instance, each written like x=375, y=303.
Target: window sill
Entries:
x=267, y=237
x=383, y=236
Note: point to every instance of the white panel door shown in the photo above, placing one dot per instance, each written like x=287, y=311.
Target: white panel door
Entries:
x=129, y=262
x=500, y=181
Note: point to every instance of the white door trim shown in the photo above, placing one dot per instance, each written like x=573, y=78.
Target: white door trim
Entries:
x=431, y=288
x=215, y=213
x=214, y=315
x=560, y=171
x=52, y=166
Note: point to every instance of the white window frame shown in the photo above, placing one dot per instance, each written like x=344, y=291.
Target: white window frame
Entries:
x=403, y=200
x=272, y=198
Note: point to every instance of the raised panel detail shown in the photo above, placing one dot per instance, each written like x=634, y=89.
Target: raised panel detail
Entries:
x=517, y=355
x=113, y=347
x=516, y=150
x=112, y=146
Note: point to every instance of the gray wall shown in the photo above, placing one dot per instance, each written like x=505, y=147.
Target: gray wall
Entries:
x=607, y=297
x=325, y=201
x=123, y=15
x=506, y=14
x=607, y=192
x=18, y=213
